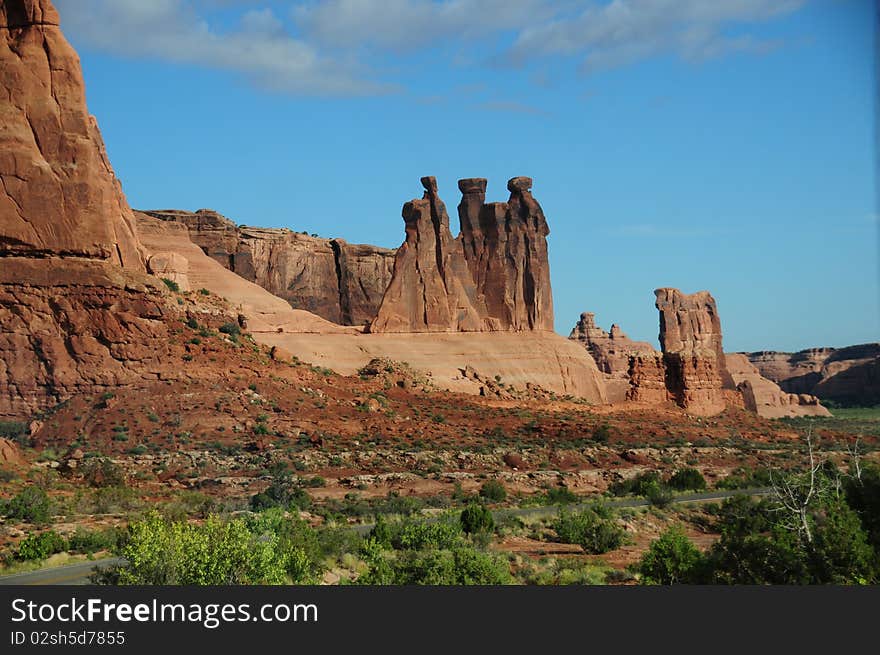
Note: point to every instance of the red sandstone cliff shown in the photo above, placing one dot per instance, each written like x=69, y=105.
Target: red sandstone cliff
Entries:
x=77, y=314
x=341, y=282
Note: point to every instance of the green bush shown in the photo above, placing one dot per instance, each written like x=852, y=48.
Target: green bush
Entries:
x=476, y=518
x=281, y=492
x=217, y=552
x=687, y=479
x=231, y=329
x=419, y=535
x=171, y=284
x=671, y=559
x=493, y=491
x=14, y=431
x=40, y=546
x=595, y=531
x=91, y=541
x=31, y=504
x=602, y=434
x=462, y=565
x=636, y=486
x=102, y=472
x=659, y=495
x=743, y=478
x=560, y=496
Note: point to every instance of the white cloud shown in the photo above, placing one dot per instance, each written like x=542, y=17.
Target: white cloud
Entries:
x=258, y=47
x=622, y=32
x=331, y=44
x=406, y=25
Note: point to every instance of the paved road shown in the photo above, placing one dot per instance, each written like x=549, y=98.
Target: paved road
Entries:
x=78, y=574
x=71, y=574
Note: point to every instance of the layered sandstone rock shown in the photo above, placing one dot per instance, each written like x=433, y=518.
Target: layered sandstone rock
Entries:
x=74, y=325
x=170, y=266
x=764, y=396
x=690, y=338
x=848, y=375
x=431, y=288
x=646, y=373
x=77, y=312
x=59, y=195
x=505, y=245
x=341, y=282
x=612, y=352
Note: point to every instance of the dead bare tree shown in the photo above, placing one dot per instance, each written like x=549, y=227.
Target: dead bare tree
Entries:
x=796, y=492
x=855, y=460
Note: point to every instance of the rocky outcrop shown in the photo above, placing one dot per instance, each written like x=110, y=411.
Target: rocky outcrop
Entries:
x=170, y=266
x=58, y=194
x=647, y=378
x=431, y=289
x=505, y=245
x=850, y=376
x=613, y=352
x=764, y=397
x=341, y=282
x=78, y=314
x=690, y=338
x=494, y=276
x=70, y=326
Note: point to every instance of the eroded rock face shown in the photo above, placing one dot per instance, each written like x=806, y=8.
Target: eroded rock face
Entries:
x=505, y=245
x=690, y=338
x=764, y=397
x=75, y=326
x=59, y=195
x=612, y=352
x=647, y=378
x=341, y=282
x=77, y=311
x=431, y=288
x=848, y=375
x=170, y=266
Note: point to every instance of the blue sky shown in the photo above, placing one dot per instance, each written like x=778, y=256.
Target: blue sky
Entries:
x=724, y=145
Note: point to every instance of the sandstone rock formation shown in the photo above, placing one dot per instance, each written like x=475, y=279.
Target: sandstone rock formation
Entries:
x=341, y=282
x=764, y=396
x=612, y=352
x=431, y=288
x=58, y=193
x=647, y=378
x=77, y=312
x=690, y=338
x=505, y=245
x=494, y=276
x=170, y=266
x=848, y=375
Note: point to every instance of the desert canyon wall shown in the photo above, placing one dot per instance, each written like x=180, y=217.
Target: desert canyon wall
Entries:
x=341, y=282
x=77, y=312
x=849, y=376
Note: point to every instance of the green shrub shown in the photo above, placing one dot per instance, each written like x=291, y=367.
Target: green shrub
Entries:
x=217, y=552
x=476, y=518
x=204, y=292
x=659, y=495
x=462, y=565
x=40, y=546
x=687, y=479
x=103, y=472
x=560, y=496
x=31, y=504
x=14, y=431
x=171, y=284
x=231, y=329
x=91, y=541
x=636, y=486
x=671, y=559
x=595, y=533
x=494, y=491
x=419, y=535
x=602, y=434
